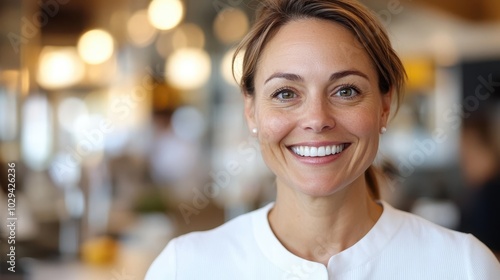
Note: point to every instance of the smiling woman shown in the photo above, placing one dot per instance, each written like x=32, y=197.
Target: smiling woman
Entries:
x=318, y=81
x=310, y=102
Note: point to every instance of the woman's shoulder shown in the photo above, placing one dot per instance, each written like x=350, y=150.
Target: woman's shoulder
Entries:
x=425, y=242
x=210, y=249
x=418, y=229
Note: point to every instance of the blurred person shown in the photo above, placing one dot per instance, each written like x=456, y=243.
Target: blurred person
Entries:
x=318, y=80
x=480, y=161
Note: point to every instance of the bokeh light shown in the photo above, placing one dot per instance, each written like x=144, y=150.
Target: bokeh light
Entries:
x=227, y=66
x=36, y=134
x=140, y=31
x=188, y=68
x=165, y=14
x=231, y=25
x=96, y=46
x=59, y=67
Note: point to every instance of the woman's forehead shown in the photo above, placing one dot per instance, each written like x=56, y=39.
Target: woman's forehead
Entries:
x=312, y=44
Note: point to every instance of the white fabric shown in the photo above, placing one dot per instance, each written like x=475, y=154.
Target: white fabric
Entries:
x=399, y=246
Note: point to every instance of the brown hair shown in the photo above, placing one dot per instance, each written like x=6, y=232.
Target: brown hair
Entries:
x=352, y=15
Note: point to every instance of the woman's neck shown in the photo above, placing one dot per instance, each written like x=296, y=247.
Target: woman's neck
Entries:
x=318, y=228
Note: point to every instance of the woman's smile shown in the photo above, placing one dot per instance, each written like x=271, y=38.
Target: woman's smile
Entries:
x=318, y=150
x=317, y=153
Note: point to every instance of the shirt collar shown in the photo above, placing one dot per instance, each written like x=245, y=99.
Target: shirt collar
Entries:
x=361, y=252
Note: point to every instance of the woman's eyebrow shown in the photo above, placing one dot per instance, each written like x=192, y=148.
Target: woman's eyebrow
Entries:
x=342, y=74
x=287, y=76
x=333, y=77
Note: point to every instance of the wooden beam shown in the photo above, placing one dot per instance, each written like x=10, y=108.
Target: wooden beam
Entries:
x=480, y=10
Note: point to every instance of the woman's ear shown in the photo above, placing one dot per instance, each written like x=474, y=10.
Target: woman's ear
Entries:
x=250, y=110
x=386, y=106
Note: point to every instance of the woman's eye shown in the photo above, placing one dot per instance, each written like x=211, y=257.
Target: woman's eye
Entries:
x=285, y=94
x=347, y=92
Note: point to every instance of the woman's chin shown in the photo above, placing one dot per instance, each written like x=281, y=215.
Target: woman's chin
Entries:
x=319, y=189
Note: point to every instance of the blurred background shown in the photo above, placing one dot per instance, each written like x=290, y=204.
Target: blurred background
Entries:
x=126, y=126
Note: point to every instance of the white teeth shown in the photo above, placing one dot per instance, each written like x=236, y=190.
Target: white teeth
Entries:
x=314, y=151
x=322, y=151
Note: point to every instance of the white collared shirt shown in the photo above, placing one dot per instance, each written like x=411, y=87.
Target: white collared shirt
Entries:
x=399, y=246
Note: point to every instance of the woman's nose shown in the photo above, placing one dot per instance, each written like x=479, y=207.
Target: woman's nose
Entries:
x=318, y=116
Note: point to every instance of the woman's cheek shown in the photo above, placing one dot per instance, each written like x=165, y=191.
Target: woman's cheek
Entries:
x=274, y=126
x=362, y=122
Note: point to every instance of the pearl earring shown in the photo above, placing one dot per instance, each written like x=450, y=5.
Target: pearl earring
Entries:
x=254, y=130
x=383, y=130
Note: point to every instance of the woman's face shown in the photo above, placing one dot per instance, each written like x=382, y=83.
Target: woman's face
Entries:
x=317, y=107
